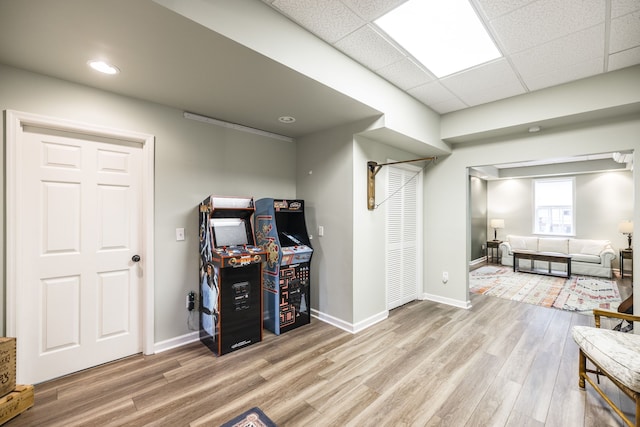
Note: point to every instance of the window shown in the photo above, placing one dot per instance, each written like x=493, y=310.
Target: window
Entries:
x=553, y=206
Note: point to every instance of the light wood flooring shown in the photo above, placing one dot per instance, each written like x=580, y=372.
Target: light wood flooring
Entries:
x=500, y=363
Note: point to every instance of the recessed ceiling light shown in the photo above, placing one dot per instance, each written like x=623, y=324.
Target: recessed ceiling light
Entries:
x=286, y=119
x=103, y=67
x=445, y=36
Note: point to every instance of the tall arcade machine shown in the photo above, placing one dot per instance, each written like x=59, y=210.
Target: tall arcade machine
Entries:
x=281, y=230
x=230, y=275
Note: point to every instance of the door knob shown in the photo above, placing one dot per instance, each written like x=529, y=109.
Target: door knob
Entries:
x=135, y=258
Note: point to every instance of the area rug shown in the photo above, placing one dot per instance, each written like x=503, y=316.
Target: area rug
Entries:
x=580, y=294
x=254, y=417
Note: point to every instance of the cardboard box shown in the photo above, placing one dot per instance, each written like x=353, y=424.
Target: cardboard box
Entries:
x=7, y=365
x=16, y=402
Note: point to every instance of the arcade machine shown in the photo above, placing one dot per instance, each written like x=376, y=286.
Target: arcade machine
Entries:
x=281, y=231
x=230, y=275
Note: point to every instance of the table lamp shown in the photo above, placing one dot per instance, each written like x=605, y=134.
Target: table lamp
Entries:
x=626, y=227
x=495, y=224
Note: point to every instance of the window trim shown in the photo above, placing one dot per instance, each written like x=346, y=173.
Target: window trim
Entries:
x=534, y=207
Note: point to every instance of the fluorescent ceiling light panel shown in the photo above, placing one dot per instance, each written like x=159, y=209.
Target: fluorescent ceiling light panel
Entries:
x=445, y=36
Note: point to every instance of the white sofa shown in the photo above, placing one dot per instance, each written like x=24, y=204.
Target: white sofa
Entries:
x=588, y=257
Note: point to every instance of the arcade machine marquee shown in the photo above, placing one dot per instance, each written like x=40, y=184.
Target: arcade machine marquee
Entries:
x=281, y=231
x=230, y=275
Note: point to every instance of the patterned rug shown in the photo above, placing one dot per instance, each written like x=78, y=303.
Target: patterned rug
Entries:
x=254, y=417
x=580, y=294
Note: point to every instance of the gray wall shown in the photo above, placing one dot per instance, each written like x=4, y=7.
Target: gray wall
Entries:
x=348, y=261
x=192, y=160
x=479, y=219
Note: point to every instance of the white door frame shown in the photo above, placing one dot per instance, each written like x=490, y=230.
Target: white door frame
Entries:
x=15, y=121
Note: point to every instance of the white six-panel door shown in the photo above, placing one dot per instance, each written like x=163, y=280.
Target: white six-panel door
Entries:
x=78, y=290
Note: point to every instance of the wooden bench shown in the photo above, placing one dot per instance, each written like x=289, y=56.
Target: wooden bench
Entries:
x=542, y=256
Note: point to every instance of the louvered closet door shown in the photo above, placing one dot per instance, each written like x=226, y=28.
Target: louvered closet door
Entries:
x=403, y=231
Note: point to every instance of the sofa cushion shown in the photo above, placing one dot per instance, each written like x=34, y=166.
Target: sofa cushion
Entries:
x=551, y=244
x=523, y=242
x=595, y=259
x=586, y=246
x=618, y=353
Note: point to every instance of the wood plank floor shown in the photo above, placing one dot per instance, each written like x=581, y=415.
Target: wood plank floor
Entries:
x=500, y=363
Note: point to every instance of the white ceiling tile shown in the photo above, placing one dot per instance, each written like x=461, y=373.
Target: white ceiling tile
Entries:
x=494, y=8
x=485, y=83
x=370, y=10
x=448, y=106
x=560, y=54
x=622, y=7
x=545, y=20
x=405, y=74
x=431, y=93
x=625, y=32
x=567, y=74
x=369, y=48
x=488, y=94
x=328, y=19
x=624, y=59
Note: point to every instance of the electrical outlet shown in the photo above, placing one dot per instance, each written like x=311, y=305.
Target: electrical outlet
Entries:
x=191, y=301
x=179, y=234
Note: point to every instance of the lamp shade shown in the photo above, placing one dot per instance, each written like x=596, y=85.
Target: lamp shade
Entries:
x=497, y=223
x=625, y=227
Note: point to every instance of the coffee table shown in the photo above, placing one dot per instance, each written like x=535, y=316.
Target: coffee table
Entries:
x=542, y=256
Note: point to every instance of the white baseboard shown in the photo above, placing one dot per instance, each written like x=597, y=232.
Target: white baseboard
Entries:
x=350, y=327
x=447, y=301
x=171, y=343
x=481, y=260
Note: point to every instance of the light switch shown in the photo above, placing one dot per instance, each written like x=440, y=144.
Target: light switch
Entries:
x=179, y=234
x=320, y=231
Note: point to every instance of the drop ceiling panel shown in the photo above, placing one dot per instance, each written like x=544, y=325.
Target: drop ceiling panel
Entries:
x=562, y=56
x=488, y=83
x=625, y=32
x=494, y=8
x=405, y=74
x=330, y=20
x=622, y=7
x=624, y=59
x=545, y=20
x=369, y=48
x=370, y=10
x=570, y=73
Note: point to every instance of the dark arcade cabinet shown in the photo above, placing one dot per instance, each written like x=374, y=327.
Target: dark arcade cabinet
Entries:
x=230, y=275
x=281, y=231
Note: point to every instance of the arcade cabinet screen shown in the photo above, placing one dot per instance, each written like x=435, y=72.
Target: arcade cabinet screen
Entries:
x=288, y=239
x=229, y=231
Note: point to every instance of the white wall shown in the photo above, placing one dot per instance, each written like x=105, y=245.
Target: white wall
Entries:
x=446, y=219
x=192, y=160
x=602, y=201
